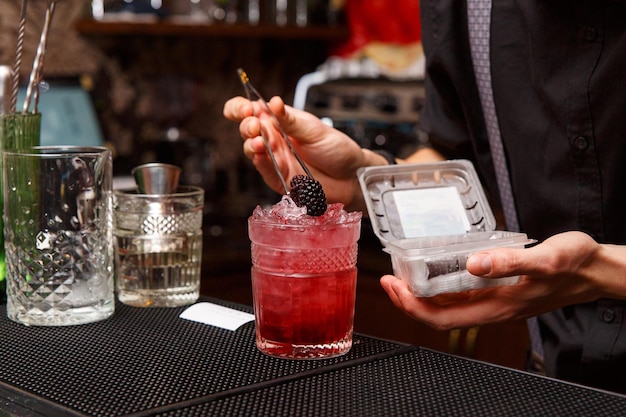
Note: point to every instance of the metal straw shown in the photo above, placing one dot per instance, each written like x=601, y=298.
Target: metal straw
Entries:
x=36, y=73
x=252, y=92
x=18, y=57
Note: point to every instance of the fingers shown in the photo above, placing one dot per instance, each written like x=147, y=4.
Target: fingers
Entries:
x=250, y=128
x=562, y=253
x=480, y=264
x=450, y=311
x=253, y=147
x=304, y=127
x=401, y=296
x=240, y=109
x=287, y=119
x=250, y=131
x=388, y=282
x=550, y=273
x=277, y=105
x=237, y=109
x=503, y=262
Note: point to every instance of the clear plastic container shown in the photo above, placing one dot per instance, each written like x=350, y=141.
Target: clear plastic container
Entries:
x=430, y=218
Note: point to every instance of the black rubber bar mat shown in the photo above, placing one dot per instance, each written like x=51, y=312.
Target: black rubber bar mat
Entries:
x=416, y=382
x=141, y=359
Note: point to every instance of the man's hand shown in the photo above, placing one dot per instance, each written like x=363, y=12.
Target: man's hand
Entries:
x=568, y=268
x=332, y=157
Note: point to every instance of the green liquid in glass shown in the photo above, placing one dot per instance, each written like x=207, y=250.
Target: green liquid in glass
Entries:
x=17, y=130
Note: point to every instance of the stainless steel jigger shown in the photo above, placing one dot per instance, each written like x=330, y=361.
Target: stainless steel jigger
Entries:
x=156, y=178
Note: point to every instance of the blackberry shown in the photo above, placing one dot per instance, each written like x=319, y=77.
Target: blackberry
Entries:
x=305, y=191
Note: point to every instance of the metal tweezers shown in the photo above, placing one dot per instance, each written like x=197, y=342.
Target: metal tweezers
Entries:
x=253, y=94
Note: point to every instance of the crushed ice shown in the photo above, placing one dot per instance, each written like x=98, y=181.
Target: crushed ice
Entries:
x=287, y=212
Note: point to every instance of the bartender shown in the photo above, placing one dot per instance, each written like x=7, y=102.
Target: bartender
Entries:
x=557, y=93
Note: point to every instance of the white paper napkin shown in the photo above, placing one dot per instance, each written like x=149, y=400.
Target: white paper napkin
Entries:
x=216, y=315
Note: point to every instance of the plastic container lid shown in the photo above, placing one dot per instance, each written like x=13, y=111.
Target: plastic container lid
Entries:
x=430, y=218
x=412, y=201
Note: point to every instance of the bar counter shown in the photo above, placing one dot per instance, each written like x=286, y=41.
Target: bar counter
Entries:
x=144, y=362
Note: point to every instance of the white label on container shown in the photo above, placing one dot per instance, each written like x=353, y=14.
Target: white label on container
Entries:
x=216, y=315
x=431, y=212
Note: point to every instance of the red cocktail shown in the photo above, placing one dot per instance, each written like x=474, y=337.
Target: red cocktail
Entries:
x=304, y=280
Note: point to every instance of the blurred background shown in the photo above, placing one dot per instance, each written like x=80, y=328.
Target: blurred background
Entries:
x=149, y=78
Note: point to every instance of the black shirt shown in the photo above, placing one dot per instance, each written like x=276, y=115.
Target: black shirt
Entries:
x=559, y=85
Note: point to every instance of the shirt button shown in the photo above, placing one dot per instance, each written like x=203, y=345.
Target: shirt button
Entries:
x=580, y=143
x=589, y=33
x=608, y=315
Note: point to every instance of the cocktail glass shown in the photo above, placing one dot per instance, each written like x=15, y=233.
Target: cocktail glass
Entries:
x=304, y=281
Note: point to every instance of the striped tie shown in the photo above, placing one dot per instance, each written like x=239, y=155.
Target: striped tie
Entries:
x=479, y=24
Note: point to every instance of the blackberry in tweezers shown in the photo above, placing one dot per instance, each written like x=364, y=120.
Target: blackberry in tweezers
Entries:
x=305, y=191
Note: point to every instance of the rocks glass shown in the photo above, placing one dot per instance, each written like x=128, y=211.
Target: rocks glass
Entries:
x=158, y=240
x=304, y=282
